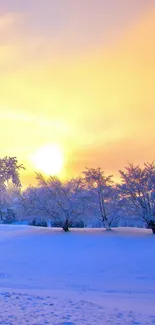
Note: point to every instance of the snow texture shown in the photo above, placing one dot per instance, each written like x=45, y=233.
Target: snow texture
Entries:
x=82, y=277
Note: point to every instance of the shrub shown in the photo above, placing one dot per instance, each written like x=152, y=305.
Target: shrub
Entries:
x=78, y=224
x=9, y=216
x=38, y=223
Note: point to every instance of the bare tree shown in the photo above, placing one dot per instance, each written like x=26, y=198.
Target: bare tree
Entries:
x=138, y=186
x=64, y=203
x=9, y=173
x=104, y=196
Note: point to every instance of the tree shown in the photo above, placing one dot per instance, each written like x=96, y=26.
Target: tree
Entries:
x=9, y=172
x=138, y=186
x=103, y=195
x=63, y=203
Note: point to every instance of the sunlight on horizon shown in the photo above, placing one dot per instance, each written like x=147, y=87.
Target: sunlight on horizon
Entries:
x=49, y=159
x=80, y=76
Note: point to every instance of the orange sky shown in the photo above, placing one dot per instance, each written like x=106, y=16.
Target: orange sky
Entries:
x=86, y=85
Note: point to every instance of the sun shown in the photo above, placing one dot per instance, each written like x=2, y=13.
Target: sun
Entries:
x=49, y=159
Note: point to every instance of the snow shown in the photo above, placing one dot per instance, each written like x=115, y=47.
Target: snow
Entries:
x=87, y=276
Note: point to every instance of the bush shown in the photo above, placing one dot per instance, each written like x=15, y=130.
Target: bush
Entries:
x=38, y=223
x=78, y=224
x=9, y=216
x=8, y=221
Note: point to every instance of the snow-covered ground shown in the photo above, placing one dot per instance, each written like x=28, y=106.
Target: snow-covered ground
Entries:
x=82, y=277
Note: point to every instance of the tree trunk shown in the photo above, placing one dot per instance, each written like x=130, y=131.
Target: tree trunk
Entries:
x=107, y=225
x=151, y=225
x=65, y=228
x=153, y=229
x=1, y=215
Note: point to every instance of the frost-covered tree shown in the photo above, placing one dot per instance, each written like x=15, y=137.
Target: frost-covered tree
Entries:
x=64, y=203
x=104, y=200
x=9, y=173
x=138, y=186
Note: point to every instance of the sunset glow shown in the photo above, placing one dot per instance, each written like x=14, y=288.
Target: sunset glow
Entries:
x=48, y=159
x=80, y=74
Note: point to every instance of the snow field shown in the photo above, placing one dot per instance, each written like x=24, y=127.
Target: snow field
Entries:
x=82, y=277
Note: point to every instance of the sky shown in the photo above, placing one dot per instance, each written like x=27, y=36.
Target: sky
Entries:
x=79, y=74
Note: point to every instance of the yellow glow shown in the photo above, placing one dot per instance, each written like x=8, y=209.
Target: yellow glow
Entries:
x=49, y=159
x=98, y=104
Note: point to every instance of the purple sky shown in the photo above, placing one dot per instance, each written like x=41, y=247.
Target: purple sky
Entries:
x=79, y=23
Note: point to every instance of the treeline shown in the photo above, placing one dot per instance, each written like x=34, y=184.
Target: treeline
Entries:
x=77, y=201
